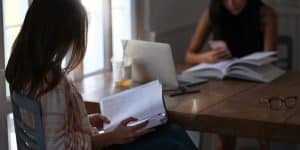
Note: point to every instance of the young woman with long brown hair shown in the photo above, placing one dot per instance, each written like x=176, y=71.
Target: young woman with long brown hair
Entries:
x=53, y=29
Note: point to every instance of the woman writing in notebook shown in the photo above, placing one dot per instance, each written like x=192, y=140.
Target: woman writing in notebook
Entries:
x=238, y=28
x=53, y=29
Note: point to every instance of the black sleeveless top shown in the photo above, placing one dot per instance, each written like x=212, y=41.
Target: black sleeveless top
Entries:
x=242, y=33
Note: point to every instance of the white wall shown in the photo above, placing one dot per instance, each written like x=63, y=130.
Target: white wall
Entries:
x=168, y=15
x=170, y=21
x=289, y=24
x=173, y=21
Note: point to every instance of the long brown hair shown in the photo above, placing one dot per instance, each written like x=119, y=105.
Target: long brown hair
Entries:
x=50, y=28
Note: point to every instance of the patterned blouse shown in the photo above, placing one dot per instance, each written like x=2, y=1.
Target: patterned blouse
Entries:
x=62, y=133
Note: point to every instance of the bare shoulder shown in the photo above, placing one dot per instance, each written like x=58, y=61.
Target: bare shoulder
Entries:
x=206, y=9
x=204, y=18
x=204, y=14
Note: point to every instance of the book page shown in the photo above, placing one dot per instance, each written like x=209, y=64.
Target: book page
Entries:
x=211, y=70
x=260, y=62
x=255, y=59
x=270, y=72
x=258, y=55
x=144, y=103
x=265, y=73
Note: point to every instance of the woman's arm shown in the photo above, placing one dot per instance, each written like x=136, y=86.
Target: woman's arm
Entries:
x=198, y=39
x=121, y=134
x=102, y=140
x=269, y=28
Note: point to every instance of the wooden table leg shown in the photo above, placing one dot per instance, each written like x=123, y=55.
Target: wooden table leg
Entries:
x=264, y=144
x=224, y=142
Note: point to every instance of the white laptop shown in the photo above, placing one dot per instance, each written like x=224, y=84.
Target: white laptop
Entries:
x=157, y=59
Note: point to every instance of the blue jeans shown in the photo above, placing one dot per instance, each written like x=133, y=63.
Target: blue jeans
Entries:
x=166, y=137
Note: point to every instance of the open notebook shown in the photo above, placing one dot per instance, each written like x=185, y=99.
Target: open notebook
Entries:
x=144, y=103
x=254, y=67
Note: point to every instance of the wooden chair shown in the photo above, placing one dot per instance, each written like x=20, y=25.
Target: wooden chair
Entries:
x=285, y=55
x=92, y=107
x=28, y=138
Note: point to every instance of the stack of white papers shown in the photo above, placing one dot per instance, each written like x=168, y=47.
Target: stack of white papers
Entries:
x=144, y=103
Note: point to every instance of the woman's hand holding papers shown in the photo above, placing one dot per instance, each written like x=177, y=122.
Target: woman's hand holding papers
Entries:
x=123, y=133
x=97, y=120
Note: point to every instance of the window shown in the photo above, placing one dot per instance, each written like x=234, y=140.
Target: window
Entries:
x=121, y=25
x=94, y=57
x=121, y=29
x=13, y=13
x=11, y=132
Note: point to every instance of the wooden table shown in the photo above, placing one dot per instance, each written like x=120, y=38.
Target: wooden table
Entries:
x=228, y=107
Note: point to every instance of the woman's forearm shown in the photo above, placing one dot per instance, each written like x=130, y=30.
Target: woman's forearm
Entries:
x=194, y=58
x=103, y=140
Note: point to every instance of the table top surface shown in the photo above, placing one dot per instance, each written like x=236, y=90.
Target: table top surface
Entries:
x=226, y=106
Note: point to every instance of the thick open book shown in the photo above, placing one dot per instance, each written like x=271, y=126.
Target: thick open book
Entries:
x=144, y=103
x=254, y=67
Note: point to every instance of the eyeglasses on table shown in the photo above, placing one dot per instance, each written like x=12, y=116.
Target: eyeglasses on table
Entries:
x=279, y=102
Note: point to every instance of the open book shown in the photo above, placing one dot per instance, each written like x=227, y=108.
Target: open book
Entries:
x=254, y=67
x=144, y=103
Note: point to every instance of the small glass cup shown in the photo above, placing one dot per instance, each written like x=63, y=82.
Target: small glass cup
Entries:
x=140, y=73
x=121, y=73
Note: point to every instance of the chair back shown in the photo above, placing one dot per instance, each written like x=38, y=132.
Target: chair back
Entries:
x=285, y=55
x=28, y=138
